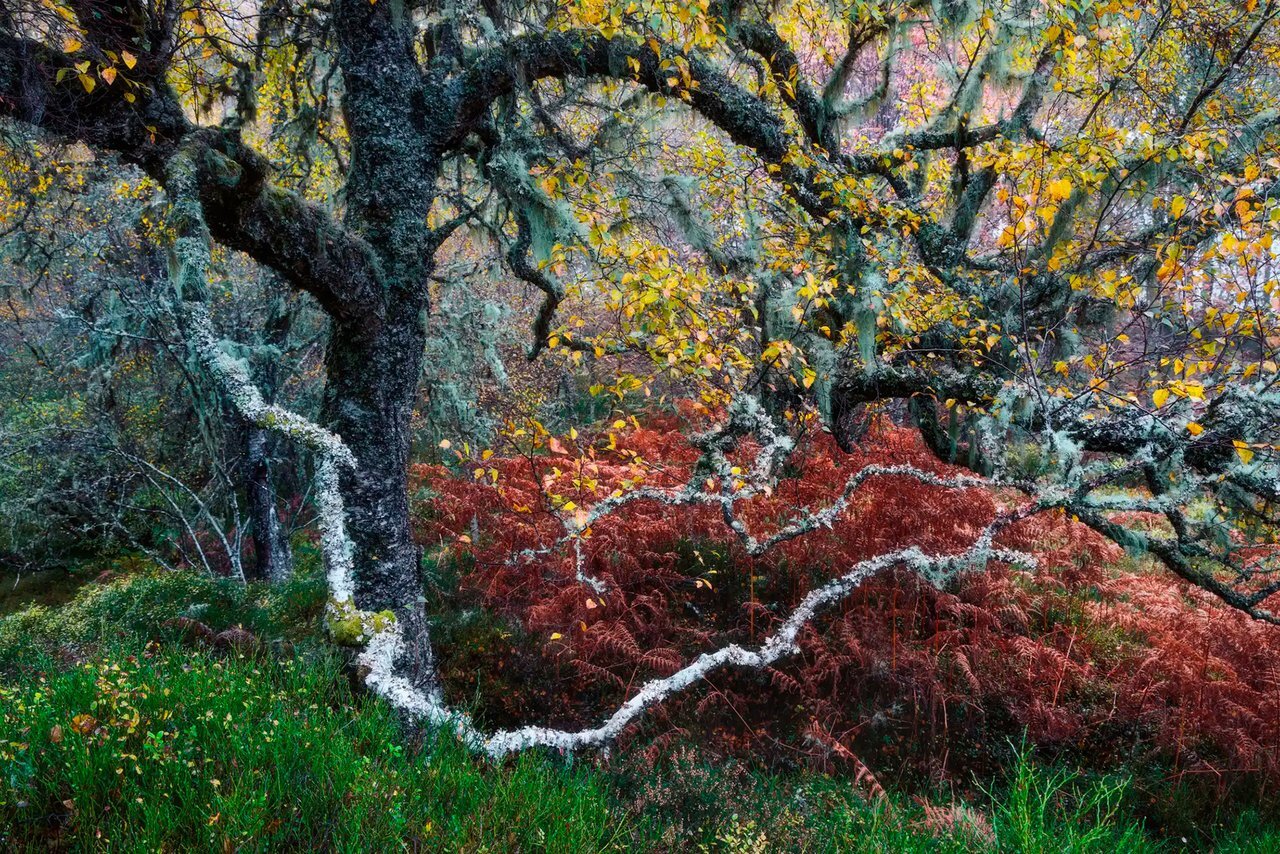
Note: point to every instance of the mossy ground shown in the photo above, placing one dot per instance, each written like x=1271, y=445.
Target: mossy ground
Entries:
x=119, y=733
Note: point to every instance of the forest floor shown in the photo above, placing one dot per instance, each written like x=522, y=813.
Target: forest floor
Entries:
x=130, y=719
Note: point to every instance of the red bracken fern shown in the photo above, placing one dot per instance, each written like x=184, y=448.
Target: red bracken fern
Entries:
x=1091, y=649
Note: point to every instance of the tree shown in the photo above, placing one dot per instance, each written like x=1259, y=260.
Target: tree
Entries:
x=1008, y=217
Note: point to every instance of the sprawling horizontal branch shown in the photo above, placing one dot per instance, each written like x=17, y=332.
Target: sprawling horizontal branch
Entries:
x=741, y=115
x=1160, y=466
x=744, y=117
x=1178, y=556
x=300, y=240
x=385, y=649
x=244, y=210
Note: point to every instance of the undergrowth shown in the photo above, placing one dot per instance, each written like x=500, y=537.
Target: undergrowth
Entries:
x=118, y=731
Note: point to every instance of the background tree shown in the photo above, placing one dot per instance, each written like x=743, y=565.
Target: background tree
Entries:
x=105, y=450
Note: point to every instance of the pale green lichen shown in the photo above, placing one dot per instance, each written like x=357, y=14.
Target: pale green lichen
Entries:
x=349, y=626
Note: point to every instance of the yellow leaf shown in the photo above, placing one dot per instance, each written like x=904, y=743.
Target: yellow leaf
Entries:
x=108, y=74
x=1243, y=451
x=129, y=59
x=1177, y=207
x=556, y=636
x=1194, y=429
x=87, y=82
x=1060, y=189
x=1160, y=396
x=71, y=45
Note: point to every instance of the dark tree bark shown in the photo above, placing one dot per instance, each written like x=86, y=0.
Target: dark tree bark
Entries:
x=374, y=364
x=273, y=559
x=372, y=385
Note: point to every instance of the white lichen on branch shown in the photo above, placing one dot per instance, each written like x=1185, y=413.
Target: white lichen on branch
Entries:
x=382, y=652
x=189, y=263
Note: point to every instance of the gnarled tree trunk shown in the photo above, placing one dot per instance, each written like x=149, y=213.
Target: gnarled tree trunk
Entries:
x=372, y=386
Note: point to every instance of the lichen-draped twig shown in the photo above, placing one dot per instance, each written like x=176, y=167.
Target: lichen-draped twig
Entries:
x=747, y=414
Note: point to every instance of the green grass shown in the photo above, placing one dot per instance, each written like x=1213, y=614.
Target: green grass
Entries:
x=114, y=735
x=174, y=748
x=138, y=606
